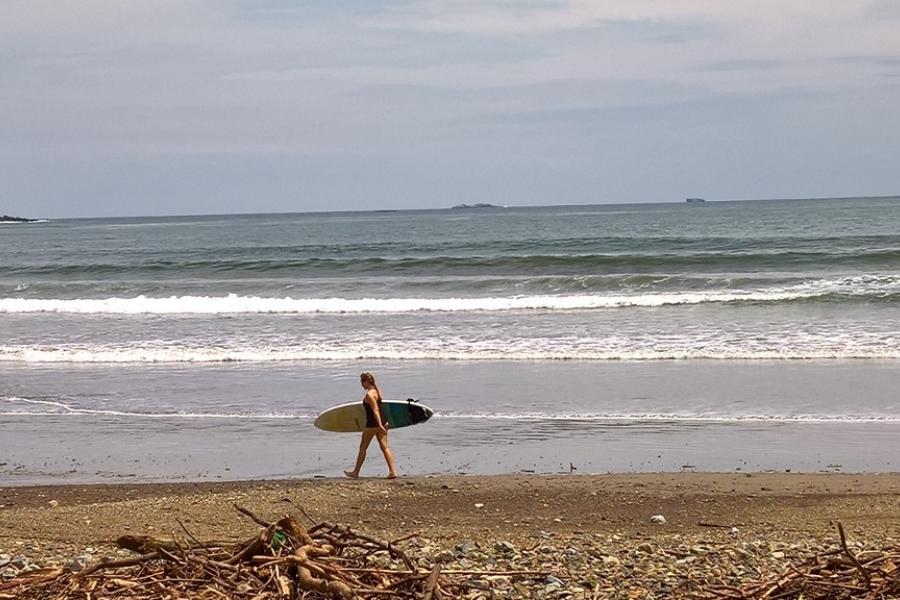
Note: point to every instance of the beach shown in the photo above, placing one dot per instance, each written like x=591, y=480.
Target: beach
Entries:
x=590, y=532
x=629, y=401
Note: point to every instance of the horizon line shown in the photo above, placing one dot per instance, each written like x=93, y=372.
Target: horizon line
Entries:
x=472, y=208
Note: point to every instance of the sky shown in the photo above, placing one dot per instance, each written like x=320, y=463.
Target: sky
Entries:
x=152, y=107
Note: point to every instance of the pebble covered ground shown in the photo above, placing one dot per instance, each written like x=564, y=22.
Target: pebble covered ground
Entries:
x=604, y=536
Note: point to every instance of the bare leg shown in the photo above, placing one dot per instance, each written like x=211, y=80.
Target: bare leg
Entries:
x=388, y=455
x=367, y=435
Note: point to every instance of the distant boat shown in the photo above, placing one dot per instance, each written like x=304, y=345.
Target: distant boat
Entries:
x=477, y=205
x=694, y=200
x=9, y=219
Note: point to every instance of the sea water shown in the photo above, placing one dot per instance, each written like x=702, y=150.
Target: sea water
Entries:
x=654, y=337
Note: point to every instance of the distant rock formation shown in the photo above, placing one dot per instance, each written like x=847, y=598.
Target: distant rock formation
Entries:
x=477, y=205
x=9, y=219
x=694, y=200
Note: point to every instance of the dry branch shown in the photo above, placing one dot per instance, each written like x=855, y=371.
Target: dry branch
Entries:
x=282, y=561
x=835, y=574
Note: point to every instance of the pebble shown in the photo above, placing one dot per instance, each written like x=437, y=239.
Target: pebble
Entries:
x=500, y=582
x=553, y=583
x=658, y=519
x=463, y=549
x=379, y=560
x=76, y=564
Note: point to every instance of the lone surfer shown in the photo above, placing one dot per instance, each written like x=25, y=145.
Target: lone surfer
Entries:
x=375, y=427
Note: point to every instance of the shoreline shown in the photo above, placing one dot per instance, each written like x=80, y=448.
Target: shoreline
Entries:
x=874, y=479
x=207, y=483
x=237, y=422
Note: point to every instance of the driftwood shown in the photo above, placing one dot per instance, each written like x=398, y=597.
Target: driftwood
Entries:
x=431, y=583
x=33, y=578
x=838, y=574
x=145, y=544
x=283, y=561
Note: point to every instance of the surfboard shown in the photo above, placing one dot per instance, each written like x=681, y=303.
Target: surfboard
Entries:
x=352, y=416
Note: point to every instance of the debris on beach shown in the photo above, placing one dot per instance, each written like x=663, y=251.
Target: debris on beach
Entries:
x=283, y=560
x=835, y=574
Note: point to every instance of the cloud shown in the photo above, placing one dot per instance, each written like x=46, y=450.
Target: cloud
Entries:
x=526, y=89
x=522, y=17
x=746, y=64
x=882, y=9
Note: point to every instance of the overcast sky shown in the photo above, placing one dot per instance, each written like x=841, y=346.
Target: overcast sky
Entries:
x=153, y=107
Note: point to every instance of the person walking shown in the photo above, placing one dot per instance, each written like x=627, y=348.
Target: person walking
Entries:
x=376, y=426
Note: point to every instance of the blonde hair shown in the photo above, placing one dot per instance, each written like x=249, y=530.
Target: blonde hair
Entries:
x=367, y=377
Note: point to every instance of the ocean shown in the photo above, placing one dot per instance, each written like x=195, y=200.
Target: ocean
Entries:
x=717, y=336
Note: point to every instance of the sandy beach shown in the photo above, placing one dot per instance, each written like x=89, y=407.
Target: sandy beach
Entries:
x=591, y=533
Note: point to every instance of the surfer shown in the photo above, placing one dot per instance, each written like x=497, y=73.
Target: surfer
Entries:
x=375, y=427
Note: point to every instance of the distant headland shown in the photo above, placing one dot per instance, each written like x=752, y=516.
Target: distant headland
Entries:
x=9, y=219
x=477, y=205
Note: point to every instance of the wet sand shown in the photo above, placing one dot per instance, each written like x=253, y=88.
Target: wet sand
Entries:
x=89, y=423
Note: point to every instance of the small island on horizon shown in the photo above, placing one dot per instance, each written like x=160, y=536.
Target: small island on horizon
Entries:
x=9, y=219
x=477, y=205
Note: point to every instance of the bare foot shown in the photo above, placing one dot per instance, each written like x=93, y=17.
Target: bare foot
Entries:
x=351, y=474
x=391, y=476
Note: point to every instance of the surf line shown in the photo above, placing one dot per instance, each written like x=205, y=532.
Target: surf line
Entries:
x=74, y=411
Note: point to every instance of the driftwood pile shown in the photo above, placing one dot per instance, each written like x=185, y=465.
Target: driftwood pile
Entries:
x=838, y=574
x=283, y=561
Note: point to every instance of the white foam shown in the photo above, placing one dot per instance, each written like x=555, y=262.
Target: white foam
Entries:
x=862, y=285
x=234, y=304
x=671, y=417
x=59, y=408
x=796, y=346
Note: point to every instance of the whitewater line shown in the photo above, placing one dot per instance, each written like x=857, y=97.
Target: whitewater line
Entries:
x=585, y=418
x=234, y=304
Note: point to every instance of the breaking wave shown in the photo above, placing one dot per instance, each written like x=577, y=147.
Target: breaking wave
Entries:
x=806, y=346
x=869, y=288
